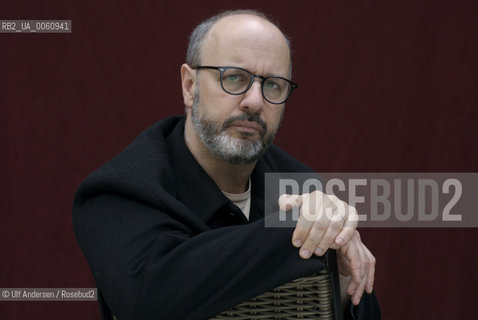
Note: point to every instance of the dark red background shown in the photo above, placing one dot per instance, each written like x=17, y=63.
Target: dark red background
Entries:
x=385, y=86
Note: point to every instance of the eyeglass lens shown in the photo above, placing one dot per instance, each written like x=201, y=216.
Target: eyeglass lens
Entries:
x=237, y=81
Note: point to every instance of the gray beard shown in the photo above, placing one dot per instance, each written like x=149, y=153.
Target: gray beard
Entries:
x=230, y=149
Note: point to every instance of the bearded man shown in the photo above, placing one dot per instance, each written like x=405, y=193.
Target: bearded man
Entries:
x=173, y=227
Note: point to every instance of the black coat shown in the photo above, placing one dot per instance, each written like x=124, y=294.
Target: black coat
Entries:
x=163, y=242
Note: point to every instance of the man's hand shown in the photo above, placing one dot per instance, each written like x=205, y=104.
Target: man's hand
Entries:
x=356, y=260
x=327, y=222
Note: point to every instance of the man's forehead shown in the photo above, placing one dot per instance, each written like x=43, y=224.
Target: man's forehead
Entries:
x=231, y=35
x=244, y=27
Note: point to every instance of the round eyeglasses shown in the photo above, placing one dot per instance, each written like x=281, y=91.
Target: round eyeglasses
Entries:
x=236, y=81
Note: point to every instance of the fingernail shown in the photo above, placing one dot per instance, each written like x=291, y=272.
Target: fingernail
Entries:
x=305, y=254
x=319, y=252
x=339, y=240
x=297, y=243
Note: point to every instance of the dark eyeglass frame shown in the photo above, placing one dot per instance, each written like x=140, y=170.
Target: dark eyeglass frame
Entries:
x=251, y=81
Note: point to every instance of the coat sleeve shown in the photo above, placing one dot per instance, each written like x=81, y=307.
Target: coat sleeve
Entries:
x=367, y=309
x=150, y=263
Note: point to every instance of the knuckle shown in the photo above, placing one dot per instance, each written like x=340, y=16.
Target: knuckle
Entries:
x=326, y=240
x=336, y=224
x=338, y=219
x=356, y=264
x=319, y=228
x=300, y=233
x=311, y=243
x=316, y=193
x=333, y=199
x=353, y=211
x=366, y=264
x=334, y=229
x=357, y=234
x=373, y=261
x=353, y=223
x=308, y=214
x=346, y=235
x=352, y=214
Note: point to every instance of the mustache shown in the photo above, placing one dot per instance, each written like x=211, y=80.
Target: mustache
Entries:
x=245, y=117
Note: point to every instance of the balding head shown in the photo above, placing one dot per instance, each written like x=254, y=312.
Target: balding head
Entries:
x=229, y=27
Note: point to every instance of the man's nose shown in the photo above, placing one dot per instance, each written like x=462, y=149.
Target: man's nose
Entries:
x=253, y=102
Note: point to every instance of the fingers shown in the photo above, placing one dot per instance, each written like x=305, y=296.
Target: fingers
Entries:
x=327, y=222
x=358, y=280
x=350, y=224
x=343, y=265
x=371, y=271
x=334, y=227
x=355, y=254
x=324, y=222
x=361, y=265
x=315, y=242
x=357, y=295
x=312, y=225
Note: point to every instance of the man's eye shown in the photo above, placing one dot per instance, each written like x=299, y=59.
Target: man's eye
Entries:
x=272, y=84
x=233, y=77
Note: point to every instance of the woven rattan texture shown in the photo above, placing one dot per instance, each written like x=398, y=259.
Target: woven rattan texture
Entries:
x=304, y=298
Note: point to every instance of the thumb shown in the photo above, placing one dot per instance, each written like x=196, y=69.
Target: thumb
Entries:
x=289, y=201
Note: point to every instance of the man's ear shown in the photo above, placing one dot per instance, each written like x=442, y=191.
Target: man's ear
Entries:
x=188, y=81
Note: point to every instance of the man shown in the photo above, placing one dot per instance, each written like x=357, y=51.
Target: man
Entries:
x=173, y=227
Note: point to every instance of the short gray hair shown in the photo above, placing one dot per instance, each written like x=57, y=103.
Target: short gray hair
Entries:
x=193, y=55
